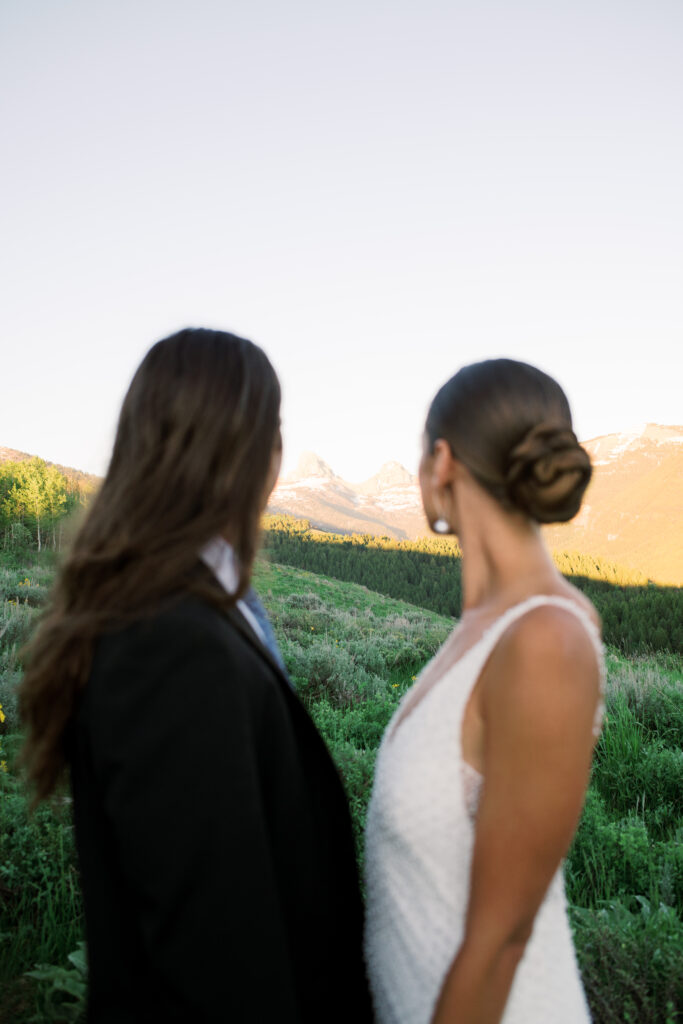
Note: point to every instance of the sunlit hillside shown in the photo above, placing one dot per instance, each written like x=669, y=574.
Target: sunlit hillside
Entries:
x=636, y=614
x=633, y=511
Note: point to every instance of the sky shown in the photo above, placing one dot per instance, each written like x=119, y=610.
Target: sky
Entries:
x=375, y=192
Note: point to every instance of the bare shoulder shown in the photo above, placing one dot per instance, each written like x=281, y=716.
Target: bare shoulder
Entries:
x=544, y=652
x=549, y=631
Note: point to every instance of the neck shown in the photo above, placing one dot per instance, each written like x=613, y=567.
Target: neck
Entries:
x=504, y=557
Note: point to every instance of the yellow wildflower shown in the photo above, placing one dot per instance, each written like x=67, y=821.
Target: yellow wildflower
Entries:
x=2, y=714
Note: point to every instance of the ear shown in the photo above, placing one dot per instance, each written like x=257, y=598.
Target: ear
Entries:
x=444, y=463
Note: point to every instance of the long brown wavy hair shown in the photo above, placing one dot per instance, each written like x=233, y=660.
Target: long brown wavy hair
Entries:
x=191, y=460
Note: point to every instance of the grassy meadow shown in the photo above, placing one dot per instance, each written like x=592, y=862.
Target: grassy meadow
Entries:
x=352, y=653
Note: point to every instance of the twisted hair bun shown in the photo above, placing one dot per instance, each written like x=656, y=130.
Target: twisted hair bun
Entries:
x=510, y=425
x=547, y=473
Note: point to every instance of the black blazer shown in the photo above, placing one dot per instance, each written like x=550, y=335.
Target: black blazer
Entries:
x=214, y=837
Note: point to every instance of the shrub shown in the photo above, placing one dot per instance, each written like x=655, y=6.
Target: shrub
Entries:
x=3, y=762
x=309, y=601
x=368, y=653
x=607, y=858
x=631, y=962
x=25, y=586
x=325, y=671
x=362, y=725
x=16, y=623
x=639, y=777
x=9, y=700
x=654, y=701
x=612, y=859
x=356, y=768
x=63, y=990
x=40, y=901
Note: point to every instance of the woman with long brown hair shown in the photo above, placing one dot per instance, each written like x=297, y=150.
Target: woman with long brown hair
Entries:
x=214, y=839
x=482, y=772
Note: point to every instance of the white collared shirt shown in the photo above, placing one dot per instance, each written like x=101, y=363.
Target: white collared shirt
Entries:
x=221, y=559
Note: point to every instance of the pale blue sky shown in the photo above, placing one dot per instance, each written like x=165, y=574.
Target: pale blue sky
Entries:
x=374, y=192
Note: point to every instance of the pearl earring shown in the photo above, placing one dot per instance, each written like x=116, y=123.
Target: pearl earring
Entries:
x=441, y=526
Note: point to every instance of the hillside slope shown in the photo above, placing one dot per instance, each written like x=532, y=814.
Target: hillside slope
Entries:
x=633, y=510
x=86, y=481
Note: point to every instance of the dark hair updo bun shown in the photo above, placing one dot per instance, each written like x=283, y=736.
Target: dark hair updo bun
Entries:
x=510, y=424
x=547, y=474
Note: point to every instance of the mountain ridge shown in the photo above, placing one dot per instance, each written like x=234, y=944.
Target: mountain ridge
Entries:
x=78, y=475
x=631, y=515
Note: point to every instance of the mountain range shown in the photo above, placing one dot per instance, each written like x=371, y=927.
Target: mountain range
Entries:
x=388, y=504
x=632, y=513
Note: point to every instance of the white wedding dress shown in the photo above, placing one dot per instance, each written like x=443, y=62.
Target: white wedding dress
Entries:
x=419, y=840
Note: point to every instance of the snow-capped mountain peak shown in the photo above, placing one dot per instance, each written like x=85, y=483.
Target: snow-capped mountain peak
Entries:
x=392, y=474
x=652, y=438
x=310, y=466
x=388, y=503
x=631, y=516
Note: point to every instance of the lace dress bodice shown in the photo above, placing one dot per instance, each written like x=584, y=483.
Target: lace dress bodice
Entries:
x=419, y=840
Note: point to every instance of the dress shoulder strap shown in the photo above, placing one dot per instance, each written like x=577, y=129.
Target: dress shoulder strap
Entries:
x=517, y=611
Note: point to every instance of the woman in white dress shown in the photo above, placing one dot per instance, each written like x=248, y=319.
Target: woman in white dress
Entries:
x=482, y=772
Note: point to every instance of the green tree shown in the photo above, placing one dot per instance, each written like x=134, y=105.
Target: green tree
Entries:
x=34, y=496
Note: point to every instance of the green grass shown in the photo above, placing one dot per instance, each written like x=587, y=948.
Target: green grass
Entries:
x=277, y=582
x=352, y=654
x=41, y=919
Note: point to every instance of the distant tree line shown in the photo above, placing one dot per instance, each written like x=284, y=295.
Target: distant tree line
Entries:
x=637, y=615
x=35, y=499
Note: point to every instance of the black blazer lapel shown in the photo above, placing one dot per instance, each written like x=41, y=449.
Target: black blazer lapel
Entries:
x=308, y=729
x=234, y=615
